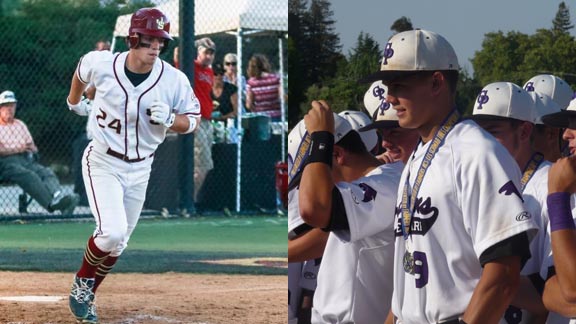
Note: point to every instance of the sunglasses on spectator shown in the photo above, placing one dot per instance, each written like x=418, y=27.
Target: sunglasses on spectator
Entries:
x=230, y=63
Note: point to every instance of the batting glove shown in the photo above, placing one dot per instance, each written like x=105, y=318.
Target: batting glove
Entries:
x=82, y=108
x=160, y=113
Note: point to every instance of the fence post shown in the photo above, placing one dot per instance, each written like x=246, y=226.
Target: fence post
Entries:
x=186, y=162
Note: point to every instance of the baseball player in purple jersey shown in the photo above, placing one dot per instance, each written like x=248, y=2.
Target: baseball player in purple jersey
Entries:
x=462, y=231
x=138, y=98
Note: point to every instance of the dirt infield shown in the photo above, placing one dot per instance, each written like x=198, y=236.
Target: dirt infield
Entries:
x=149, y=298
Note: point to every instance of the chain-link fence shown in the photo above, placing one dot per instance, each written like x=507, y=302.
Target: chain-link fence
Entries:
x=42, y=43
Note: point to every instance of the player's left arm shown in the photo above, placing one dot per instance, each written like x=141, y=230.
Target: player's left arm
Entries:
x=528, y=297
x=307, y=246
x=499, y=280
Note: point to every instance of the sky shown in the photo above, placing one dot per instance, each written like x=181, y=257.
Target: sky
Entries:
x=462, y=22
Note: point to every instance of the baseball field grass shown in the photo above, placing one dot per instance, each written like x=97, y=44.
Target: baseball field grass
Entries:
x=231, y=245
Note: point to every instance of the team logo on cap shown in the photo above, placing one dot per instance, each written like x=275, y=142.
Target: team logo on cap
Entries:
x=482, y=98
x=160, y=23
x=529, y=86
x=388, y=53
x=378, y=92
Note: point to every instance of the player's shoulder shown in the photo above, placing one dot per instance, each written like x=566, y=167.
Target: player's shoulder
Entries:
x=467, y=139
x=171, y=71
x=99, y=56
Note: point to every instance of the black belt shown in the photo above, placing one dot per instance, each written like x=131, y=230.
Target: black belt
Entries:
x=454, y=321
x=124, y=157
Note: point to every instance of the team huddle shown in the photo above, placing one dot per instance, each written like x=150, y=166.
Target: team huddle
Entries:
x=461, y=219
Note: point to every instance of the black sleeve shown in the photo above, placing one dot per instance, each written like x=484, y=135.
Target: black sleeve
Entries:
x=517, y=245
x=298, y=231
x=338, y=218
x=537, y=282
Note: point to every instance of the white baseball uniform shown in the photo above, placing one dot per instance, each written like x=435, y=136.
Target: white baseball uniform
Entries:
x=355, y=278
x=534, y=194
x=468, y=202
x=116, y=164
x=300, y=274
x=554, y=318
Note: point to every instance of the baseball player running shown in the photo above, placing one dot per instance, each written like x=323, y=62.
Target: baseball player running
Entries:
x=138, y=98
x=462, y=232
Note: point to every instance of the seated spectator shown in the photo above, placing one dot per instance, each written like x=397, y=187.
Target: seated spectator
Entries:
x=18, y=162
x=225, y=94
x=263, y=90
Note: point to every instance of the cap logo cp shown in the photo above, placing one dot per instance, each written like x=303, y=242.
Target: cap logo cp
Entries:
x=529, y=86
x=388, y=53
x=482, y=98
x=379, y=92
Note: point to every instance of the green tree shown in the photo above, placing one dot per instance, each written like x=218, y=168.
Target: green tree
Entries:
x=343, y=91
x=502, y=58
x=561, y=23
x=322, y=43
x=401, y=24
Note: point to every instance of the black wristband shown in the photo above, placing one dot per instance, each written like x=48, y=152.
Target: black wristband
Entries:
x=321, y=147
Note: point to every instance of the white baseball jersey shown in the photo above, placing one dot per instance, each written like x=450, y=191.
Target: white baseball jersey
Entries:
x=303, y=274
x=355, y=278
x=534, y=194
x=468, y=202
x=555, y=318
x=120, y=117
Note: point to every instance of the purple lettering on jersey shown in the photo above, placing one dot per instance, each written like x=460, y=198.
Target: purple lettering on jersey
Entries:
x=418, y=225
x=369, y=192
x=420, y=269
x=482, y=98
x=388, y=53
x=529, y=86
x=509, y=188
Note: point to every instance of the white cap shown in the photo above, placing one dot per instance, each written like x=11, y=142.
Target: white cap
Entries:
x=551, y=85
x=341, y=127
x=564, y=118
x=415, y=50
x=294, y=139
x=383, y=115
x=504, y=100
x=7, y=97
x=544, y=105
x=358, y=120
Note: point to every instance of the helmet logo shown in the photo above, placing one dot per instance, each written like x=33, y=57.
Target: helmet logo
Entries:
x=160, y=23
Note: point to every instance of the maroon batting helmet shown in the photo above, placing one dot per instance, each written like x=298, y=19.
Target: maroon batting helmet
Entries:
x=151, y=22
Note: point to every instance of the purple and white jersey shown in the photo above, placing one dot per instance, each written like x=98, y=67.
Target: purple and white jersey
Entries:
x=355, y=278
x=468, y=202
x=120, y=117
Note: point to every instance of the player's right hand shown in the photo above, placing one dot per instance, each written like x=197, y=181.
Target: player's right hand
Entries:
x=562, y=175
x=160, y=113
x=82, y=108
x=319, y=118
